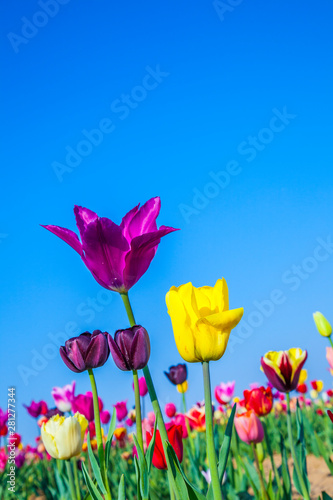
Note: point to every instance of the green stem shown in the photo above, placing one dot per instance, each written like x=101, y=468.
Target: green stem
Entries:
x=99, y=433
x=293, y=452
x=259, y=468
x=331, y=342
x=153, y=398
x=211, y=453
x=188, y=425
x=270, y=452
x=137, y=408
x=76, y=479
x=70, y=479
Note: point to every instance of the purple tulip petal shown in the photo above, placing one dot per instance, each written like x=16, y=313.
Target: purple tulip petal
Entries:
x=83, y=217
x=97, y=352
x=125, y=222
x=117, y=355
x=105, y=248
x=67, y=361
x=144, y=220
x=143, y=249
x=66, y=235
x=273, y=377
x=140, y=349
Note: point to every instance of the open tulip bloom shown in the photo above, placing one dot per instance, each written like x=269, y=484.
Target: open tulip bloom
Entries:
x=201, y=320
x=116, y=256
x=283, y=368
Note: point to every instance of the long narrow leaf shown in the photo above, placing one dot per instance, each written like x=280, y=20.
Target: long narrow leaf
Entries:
x=95, y=466
x=95, y=494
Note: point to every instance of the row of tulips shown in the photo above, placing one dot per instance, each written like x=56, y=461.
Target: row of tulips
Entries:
x=117, y=256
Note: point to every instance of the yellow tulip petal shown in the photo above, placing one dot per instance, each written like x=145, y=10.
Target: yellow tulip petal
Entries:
x=303, y=376
x=49, y=442
x=226, y=320
x=68, y=438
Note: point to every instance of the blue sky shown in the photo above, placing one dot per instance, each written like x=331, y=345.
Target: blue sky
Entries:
x=226, y=116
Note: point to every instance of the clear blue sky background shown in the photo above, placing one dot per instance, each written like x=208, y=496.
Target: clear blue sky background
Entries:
x=222, y=79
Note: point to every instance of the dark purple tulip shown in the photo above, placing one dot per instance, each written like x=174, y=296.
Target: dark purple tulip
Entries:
x=53, y=411
x=177, y=374
x=130, y=348
x=116, y=256
x=88, y=350
x=37, y=409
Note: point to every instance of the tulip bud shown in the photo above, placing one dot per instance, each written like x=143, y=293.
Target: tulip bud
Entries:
x=323, y=326
x=249, y=428
x=63, y=437
x=130, y=348
x=182, y=388
x=260, y=452
x=170, y=410
x=87, y=351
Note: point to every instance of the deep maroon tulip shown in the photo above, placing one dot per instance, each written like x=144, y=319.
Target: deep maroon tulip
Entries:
x=37, y=409
x=130, y=348
x=116, y=256
x=177, y=374
x=53, y=411
x=88, y=350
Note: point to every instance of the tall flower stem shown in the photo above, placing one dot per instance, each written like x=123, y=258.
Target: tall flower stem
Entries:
x=331, y=341
x=76, y=479
x=259, y=468
x=293, y=452
x=137, y=408
x=188, y=428
x=71, y=479
x=99, y=433
x=153, y=398
x=269, y=449
x=216, y=485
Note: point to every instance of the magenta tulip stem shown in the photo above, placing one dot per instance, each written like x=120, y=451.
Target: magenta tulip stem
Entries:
x=70, y=479
x=211, y=453
x=293, y=452
x=137, y=408
x=259, y=468
x=99, y=434
x=153, y=399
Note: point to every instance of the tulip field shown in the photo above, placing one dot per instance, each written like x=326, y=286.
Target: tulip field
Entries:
x=260, y=442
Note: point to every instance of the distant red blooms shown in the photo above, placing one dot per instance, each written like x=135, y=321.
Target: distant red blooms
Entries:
x=259, y=400
x=330, y=414
x=175, y=438
x=302, y=388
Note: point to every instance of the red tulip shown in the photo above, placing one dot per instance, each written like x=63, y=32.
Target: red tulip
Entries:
x=175, y=438
x=259, y=400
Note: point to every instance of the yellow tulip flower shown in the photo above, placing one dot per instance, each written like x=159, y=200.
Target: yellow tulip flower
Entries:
x=201, y=320
x=63, y=437
x=182, y=388
x=303, y=376
x=323, y=326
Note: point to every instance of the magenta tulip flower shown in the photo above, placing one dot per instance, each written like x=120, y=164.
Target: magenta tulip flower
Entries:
x=63, y=396
x=37, y=409
x=170, y=410
x=3, y=419
x=116, y=256
x=87, y=351
x=121, y=410
x=83, y=403
x=130, y=348
x=105, y=417
x=143, y=389
x=224, y=392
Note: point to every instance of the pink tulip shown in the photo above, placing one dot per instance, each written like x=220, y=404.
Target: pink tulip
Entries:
x=329, y=357
x=249, y=428
x=224, y=392
x=121, y=410
x=143, y=389
x=170, y=410
x=180, y=419
x=83, y=403
x=63, y=396
x=105, y=416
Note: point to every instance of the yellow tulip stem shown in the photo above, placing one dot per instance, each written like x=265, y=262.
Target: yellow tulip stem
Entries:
x=137, y=408
x=211, y=453
x=76, y=479
x=293, y=452
x=153, y=399
x=70, y=479
x=331, y=341
x=99, y=434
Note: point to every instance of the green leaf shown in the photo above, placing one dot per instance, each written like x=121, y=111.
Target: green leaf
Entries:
x=95, y=494
x=192, y=492
x=109, y=439
x=324, y=453
x=144, y=483
x=122, y=490
x=300, y=452
x=285, y=470
x=150, y=450
x=137, y=472
x=95, y=466
x=326, y=496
